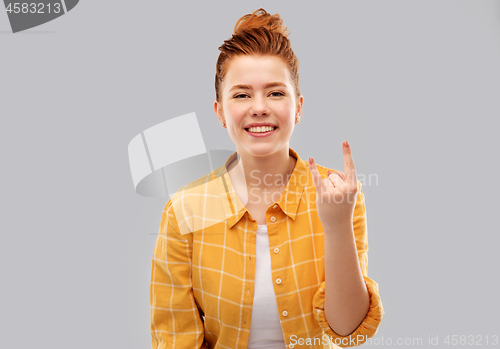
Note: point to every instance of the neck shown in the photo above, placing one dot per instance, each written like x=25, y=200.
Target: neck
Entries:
x=264, y=173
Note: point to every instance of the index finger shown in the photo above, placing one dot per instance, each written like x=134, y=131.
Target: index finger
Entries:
x=349, y=168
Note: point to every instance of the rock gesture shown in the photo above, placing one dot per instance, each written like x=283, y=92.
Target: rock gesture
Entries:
x=337, y=194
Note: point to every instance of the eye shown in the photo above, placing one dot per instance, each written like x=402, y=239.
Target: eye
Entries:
x=240, y=95
x=279, y=93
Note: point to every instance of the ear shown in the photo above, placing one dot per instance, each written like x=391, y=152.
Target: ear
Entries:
x=219, y=112
x=300, y=103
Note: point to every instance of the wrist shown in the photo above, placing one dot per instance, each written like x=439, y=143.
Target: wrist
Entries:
x=340, y=227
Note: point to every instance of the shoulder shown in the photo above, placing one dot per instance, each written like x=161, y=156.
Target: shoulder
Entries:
x=206, y=184
x=197, y=202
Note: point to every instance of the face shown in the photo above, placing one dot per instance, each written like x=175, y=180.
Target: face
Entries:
x=249, y=97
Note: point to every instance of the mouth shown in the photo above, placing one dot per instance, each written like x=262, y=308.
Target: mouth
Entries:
x=260, y=131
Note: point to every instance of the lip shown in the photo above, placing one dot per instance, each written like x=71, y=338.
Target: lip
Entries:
x=261, y=134
x=260, y=124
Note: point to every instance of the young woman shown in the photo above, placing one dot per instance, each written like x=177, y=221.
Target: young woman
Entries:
x=269, y=250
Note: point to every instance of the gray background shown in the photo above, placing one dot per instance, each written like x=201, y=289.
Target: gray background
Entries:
x=414, y=86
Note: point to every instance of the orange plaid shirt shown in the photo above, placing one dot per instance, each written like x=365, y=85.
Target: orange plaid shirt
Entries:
x=203, y=267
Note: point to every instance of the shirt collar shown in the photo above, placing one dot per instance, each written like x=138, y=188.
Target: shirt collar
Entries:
x=288, y=201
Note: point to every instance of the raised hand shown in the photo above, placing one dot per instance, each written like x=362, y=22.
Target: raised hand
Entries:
x=336, y=194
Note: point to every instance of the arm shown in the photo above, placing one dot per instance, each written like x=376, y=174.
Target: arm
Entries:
x=175, y=319
x=351, y=305
x=347, y=300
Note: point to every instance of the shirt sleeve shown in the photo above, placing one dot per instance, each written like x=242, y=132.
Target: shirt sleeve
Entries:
x=175, y=318
x=371, y=322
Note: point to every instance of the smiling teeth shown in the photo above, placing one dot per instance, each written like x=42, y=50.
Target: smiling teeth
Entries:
x=261, y=129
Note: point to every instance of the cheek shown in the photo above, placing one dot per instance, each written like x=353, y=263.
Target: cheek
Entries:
x=287, y=114
x=287, y=108
x=235, y=112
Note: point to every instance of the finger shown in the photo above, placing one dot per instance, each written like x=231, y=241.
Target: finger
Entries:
x=318, y=183
x=335, y=178
x=349, y=169
x=340, y=174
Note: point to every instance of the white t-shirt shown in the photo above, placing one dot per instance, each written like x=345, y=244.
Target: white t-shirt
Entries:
x=265, y=326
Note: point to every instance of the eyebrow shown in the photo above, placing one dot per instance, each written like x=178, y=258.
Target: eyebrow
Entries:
x=249, y=87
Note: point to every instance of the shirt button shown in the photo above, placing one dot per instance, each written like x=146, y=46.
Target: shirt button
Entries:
x=273, y=219
x=275, y=206
x=276, y=250
x=278, y=281
x=285, y=313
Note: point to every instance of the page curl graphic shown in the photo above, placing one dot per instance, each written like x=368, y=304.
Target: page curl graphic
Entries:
x=172, y=154
x=24, y=14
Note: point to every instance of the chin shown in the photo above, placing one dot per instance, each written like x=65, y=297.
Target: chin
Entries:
x=262, y=149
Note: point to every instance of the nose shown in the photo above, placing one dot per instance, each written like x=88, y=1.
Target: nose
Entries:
x=260, y=106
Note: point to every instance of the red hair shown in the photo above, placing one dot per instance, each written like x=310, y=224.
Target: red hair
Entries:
x=258, y=33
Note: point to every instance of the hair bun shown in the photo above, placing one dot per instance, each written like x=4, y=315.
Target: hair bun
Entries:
x=261, y=19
